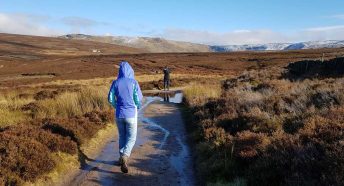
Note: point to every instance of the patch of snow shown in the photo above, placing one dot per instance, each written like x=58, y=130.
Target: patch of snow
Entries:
x=279, y=46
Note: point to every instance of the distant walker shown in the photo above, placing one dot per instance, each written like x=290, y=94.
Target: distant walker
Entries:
x=166, y=78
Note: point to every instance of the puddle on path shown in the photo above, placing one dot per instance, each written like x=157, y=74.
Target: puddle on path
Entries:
x=178, y=160
x=167, y=96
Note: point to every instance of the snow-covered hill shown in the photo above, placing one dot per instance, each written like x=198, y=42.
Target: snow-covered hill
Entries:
x=279, y=46
x=151, y=44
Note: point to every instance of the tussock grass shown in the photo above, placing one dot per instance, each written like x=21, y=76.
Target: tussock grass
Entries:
x=156, y=77
x=81, y=82
x=66, y=104
x=200, y=93
x=71, y=104
x=10, y=108
x=141, y=78
x=11, y=100
x=8, y=117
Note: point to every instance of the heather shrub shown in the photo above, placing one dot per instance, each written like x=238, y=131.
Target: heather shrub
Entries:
x=292, y=124
x=25, y=150
x=45, y=94
x=304, y=160
x=247, y=145
x=283, y=161
x=22, y=159
x=78, y=129
x=271, y=131
x=54, y=142
x=33, y=126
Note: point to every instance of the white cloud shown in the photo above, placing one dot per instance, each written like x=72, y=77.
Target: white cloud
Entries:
x=255, y=36
x=38, y=25
x=323, y=33
x=234, y=37
x=29, y=24
x=25, y=24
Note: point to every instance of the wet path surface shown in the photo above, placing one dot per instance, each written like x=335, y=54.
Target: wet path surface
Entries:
x=160, y=156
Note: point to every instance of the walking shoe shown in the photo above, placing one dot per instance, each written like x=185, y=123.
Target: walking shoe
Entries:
x=124, y=165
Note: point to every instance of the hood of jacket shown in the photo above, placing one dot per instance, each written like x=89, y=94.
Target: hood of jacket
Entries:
x=125, y=70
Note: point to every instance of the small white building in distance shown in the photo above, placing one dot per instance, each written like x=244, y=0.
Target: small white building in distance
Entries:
x=95, y=50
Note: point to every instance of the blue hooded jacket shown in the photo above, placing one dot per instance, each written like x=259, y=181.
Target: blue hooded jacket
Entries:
x=125, y=94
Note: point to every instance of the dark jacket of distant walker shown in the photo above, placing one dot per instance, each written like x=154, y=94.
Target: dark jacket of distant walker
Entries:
x=166, y=78
x=166, y=74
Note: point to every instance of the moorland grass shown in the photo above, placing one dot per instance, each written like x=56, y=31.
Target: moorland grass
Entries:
x=271, y=131
x=57, y=118
x=39, y=126
x=10, y=108
x=70, y=104
x=200, y=93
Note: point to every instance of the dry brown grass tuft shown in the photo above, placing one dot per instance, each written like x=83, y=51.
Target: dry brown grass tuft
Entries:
x=70, y=104
x=199, y=93
x=10, y=108
x=16, y=106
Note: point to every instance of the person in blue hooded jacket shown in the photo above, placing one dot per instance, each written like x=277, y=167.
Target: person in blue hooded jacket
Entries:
x=125, y=95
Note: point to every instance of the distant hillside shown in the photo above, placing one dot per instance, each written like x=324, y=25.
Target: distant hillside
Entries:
x=33, y=59
x=279, y=46
x=158, y=45
x=36, y=45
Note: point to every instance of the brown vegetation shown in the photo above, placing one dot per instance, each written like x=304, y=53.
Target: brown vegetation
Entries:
x=259, y=128
x=50, y=59
x=271, y=131
x=25, y=150
x=47, y=122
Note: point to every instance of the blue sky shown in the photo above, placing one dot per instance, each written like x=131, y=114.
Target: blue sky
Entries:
x=202, y=21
